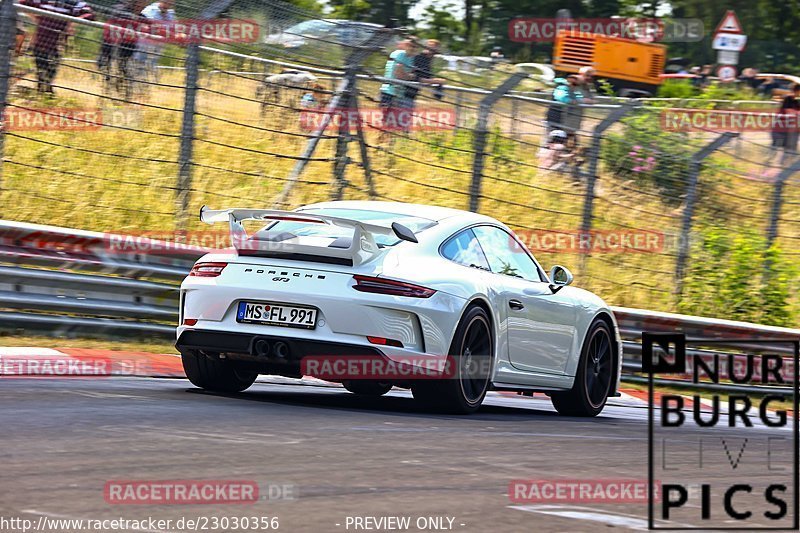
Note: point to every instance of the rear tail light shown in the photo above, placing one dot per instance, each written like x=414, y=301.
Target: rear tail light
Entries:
x=207, y=270
x=189, y=321
x=390, y=286
x=385, y=342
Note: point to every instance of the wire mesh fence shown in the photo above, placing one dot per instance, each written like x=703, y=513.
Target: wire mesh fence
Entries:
x=129, y=117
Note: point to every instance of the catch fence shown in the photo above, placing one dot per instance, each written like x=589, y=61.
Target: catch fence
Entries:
x=640, y=213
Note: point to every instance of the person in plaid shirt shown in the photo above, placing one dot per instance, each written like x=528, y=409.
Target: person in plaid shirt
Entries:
x=47, y=39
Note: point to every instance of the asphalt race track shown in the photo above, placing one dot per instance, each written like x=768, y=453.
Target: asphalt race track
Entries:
x=344, y=456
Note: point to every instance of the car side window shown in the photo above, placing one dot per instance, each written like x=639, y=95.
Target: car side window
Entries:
x=505, y=255
x=465, y=250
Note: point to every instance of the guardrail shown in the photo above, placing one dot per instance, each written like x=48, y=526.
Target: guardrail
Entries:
x=72, y=282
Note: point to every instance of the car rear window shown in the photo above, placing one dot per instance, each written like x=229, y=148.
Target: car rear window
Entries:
x=336, y=236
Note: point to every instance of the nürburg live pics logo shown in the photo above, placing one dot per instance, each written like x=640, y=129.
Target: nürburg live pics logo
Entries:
x=726, y=459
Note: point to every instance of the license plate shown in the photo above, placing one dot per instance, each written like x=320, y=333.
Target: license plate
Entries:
x=277, y=315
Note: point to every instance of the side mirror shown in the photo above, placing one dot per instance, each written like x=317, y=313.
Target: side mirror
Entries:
x=560, y=277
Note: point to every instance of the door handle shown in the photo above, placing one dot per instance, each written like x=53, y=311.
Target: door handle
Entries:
x=516, y=305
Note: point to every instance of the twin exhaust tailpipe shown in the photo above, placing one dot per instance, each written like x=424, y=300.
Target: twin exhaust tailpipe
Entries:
x=278, y=349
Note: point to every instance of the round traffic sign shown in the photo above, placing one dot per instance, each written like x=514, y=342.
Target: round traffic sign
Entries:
x=726, y=73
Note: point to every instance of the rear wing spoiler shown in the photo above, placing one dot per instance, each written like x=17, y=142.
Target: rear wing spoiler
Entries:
x=362, y=246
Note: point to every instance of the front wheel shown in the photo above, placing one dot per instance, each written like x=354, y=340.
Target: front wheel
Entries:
x=216, y=375
x=470, y=359
x=593, y=379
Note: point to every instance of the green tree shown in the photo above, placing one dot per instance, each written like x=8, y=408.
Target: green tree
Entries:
x=385, y=12
x=439, y=22
x=734, y=276
x=350, y=9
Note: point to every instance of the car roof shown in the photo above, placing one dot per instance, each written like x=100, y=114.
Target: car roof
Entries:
x=788, y=77
x=353, y=22
x=431, y=212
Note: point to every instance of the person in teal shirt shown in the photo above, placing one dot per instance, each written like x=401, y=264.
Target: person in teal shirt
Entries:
x=400, y=66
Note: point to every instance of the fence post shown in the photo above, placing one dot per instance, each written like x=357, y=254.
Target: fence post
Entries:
x=8, y=17
x=364, y=149
x=696, y=163
x=311, y=145
x=346, y=94
x=187, y=134
x=594, y=158
x=343, y=137
x=777, y=203
x=192, y=64
x=481, y=132
x=459, y=98
x=514, y=111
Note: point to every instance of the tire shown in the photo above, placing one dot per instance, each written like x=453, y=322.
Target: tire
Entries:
x=594, y=377
x=470, y=360
x=215, y=374
x=366, y=387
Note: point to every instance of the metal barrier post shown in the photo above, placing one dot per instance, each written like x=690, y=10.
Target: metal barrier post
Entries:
x=187, y=125
x=343, y=137
x=459, y=98
x=8, y=17
x=594, y=158
x=514, y=111
x=481, y=133
x=777, y=201
x=187, y=135
x=691, y=201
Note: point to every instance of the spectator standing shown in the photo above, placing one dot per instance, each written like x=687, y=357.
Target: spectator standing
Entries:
x=399, y=66
x=749, y=78
x=785, y=133
x=150, y=52
x=705, y=73
x=120, y=44
x=422, y=71
x=565, y=112
x=46, y=44
x=697, y=79
x=587, y=81
x=497, y=55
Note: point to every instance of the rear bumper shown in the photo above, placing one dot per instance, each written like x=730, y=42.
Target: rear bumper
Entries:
x=244, y=344
x=295, y=357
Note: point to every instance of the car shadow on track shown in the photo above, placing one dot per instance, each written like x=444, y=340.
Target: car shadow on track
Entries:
x=341, y=400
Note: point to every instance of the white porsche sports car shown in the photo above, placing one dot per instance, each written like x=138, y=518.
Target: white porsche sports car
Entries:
x=400, y=283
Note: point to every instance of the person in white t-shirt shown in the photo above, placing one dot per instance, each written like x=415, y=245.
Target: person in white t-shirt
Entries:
x=150, y=52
